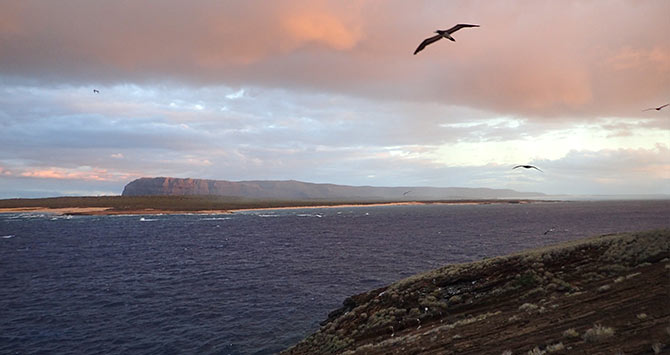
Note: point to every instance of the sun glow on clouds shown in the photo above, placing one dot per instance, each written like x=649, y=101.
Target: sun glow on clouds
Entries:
x=322, y=27
x=83, y=173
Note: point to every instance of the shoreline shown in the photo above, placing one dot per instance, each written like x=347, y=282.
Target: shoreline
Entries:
x=108, y=211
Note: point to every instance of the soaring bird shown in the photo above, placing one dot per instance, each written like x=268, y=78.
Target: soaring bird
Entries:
x=95, y=91
x=656, y=108
x=528, y=167
x=442, y=34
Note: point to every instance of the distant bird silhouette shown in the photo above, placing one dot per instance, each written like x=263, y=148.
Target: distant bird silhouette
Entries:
x=550, y=230
x=655, y=108
x=406, y=192
x=442, y=34
x=96, y=91
x=528, y=167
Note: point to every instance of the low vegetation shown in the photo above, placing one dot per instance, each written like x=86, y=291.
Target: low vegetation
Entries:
x=550, y=300
x=192, y=203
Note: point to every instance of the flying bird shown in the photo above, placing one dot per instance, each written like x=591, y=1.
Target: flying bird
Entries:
x=96, y=91
x=527, y=167
x=442, y=34
x=406, y=192
x=656, y=108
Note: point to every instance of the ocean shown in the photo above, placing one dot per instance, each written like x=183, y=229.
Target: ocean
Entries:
x=251, y=282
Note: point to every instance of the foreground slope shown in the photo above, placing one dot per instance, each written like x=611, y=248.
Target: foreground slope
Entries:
x=603, y=295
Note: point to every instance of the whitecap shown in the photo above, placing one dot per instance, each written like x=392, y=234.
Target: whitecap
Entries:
x=309, y=215
x=8, y=236
x=215, y=218
x=142, y=219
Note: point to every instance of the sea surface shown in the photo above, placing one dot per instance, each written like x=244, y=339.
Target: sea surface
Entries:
x=250, y=282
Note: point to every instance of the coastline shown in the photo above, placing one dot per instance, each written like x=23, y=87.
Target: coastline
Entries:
x=106, y=211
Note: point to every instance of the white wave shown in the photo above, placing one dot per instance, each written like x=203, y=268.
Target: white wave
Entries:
x=8, y=236
x=309, y=215
x=142, y=219
x=215, y=218
x=268, y=215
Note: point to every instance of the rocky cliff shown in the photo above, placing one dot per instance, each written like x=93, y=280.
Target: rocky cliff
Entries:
x=296, y=190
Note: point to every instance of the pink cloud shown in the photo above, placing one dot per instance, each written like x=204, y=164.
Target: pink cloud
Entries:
x=73, y=174
x=562, y=58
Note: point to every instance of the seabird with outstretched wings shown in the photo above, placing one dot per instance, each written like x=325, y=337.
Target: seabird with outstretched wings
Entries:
x=528, y=167
x=656, y=108
x=442, y=34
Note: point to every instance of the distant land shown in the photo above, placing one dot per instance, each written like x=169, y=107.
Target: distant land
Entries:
x=297, y=190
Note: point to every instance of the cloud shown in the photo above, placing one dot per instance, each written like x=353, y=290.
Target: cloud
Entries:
x=329, y=91
x=86, y=174
x=598, y=58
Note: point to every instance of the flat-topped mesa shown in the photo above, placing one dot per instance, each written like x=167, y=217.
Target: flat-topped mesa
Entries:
x=297, y=190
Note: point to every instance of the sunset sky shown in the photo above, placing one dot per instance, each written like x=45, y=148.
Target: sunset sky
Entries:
x=330, y=92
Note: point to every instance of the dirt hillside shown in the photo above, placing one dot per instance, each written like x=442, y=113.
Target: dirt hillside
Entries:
x=602, y=295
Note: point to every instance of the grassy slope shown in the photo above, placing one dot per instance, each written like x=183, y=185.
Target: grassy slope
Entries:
x=604, y=294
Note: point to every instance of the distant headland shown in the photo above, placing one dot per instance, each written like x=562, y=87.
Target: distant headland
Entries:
x=176, y=195
x=297, y=190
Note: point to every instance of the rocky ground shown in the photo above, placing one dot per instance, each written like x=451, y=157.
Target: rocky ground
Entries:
x=603, y=295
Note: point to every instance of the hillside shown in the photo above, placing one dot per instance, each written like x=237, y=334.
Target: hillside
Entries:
x=296, y=190
x=602, y=295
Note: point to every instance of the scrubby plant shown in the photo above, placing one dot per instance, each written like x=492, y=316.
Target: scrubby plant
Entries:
x=528, y=279
x=570, y=333
x=531, y=308
x=642, y=316
x=536, y=351
x=598, y=333
x=555, y=347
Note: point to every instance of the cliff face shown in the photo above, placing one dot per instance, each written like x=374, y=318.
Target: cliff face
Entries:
x=296, y=190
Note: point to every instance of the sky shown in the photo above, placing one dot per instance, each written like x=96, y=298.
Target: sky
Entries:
x=330, y=92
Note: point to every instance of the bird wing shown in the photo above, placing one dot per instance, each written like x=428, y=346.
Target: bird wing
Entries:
x=518, y=166
x=426, y=42
x=662, y=106
x=649, y=109
x=459, y=26
x=536, y=168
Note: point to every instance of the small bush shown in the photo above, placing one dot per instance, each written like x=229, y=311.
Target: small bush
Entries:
x=531, y=308
x=642, y=316
x=555, y=347
x=598, y=333
x=570, y=333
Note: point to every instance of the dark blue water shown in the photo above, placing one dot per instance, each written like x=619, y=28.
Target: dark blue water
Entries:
x=249, y=282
